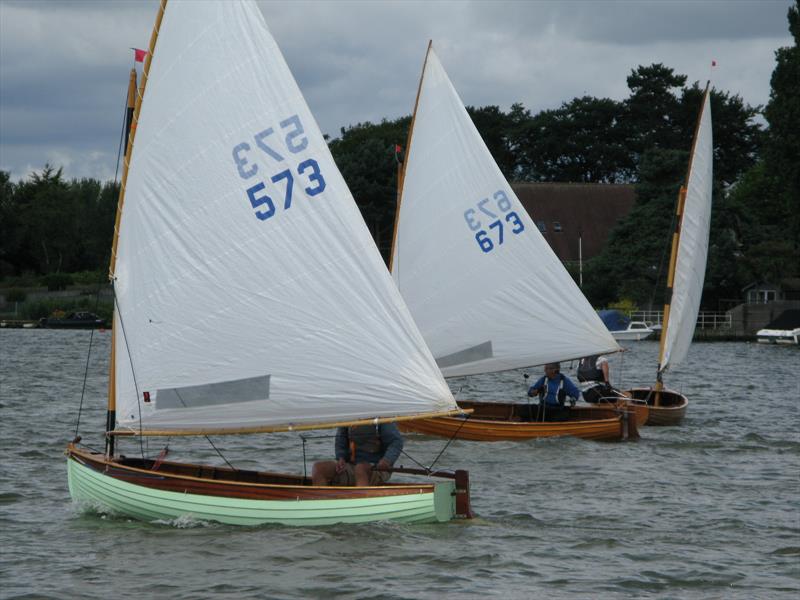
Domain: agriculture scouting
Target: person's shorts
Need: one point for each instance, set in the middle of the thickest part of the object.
(348, 477)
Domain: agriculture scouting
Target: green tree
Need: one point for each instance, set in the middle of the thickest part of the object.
(10, 232)
(365, 156)
(495, 128)
(634, 262)
(582, 141)
(767, 198)
(653, 110)
(782, 149)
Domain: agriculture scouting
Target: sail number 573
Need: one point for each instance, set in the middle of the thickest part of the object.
(497, 215)
(275, 147)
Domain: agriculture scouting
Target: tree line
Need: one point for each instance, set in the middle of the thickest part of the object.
(49, 224)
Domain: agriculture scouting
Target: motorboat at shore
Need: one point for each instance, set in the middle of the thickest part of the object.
(783, 330)
(622, 328)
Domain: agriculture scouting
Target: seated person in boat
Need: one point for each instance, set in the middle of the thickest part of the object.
(553, 389)
(594, 371)
(361, 454)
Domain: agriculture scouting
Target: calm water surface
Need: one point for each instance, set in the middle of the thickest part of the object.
(710, 509)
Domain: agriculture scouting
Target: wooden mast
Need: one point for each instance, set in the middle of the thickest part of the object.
(673, 258)
(134, 108)
(402, 171)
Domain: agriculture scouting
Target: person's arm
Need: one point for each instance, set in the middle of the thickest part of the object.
(604, 368)
(342, 446)
(534, 389)
(392, 441)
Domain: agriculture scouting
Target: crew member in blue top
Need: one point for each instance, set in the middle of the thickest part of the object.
(553, 390)
(362, 454)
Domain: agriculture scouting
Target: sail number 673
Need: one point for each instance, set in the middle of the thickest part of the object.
(497, 220)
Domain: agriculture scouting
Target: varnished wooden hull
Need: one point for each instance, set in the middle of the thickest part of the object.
(671, 409)
(148, 490)
(495, 421)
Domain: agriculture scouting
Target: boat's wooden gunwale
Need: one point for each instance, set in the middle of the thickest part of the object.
(164, 480)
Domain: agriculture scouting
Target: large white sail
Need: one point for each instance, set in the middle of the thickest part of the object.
(249, 291)
(690, 265)
(484, 287)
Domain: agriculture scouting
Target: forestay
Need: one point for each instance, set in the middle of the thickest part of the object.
(484, 287)
(690, 266)
(249, 291)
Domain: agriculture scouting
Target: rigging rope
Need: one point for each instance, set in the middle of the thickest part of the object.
(130, 360)
(208, 439)
(86, 369)
(450, 440)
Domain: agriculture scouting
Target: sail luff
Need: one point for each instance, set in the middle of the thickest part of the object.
(130, 135)
(402, 175)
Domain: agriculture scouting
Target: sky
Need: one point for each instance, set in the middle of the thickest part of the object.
(64, 64)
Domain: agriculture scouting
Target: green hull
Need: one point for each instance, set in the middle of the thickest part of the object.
(149, 504)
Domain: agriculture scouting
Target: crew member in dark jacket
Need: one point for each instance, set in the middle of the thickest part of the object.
(362, 454)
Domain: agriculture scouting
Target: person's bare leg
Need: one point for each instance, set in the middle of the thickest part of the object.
(363, 473)
(323, 472)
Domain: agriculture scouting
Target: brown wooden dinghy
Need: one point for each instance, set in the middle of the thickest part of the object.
(669, 410)
(502, 421)
(687, 266)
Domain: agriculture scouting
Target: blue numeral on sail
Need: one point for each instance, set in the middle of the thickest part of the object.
(484, 210)
(499, 226)
(260, 137)
(503, 201)
(287, 175)
(469, 217)
(261, 201)
(513, 217)
(315, 176)
(298, 130)
(241, 161)
(484, 241)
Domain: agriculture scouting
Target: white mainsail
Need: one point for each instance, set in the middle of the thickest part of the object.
(249, 291)
(690, 265)
(484, 287)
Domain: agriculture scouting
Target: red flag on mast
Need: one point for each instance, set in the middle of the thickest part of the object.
(138, 55)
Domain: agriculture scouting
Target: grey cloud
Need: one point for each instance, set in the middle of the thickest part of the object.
(64, 65)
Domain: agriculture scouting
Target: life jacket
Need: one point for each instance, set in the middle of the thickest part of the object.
(561, 394)
(364, 437)
(587, 369)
